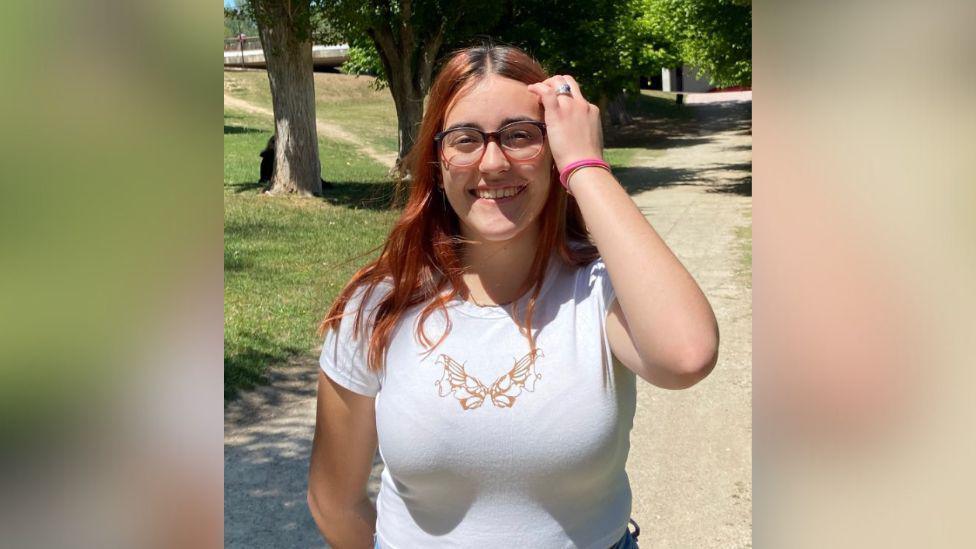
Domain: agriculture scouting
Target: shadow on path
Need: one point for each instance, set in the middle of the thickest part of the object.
(267, 444)
(645, 178)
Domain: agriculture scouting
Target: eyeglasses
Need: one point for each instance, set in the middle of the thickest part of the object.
(519, 141)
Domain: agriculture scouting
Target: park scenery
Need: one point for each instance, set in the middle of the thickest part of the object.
(673, 80)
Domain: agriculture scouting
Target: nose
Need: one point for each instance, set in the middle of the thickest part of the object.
(493, 159)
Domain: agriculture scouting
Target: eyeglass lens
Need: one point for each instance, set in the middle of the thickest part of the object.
(464, 146)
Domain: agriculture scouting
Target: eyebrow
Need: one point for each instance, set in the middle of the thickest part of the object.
(505, 122)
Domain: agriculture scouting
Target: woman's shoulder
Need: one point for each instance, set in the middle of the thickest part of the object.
(372, 293)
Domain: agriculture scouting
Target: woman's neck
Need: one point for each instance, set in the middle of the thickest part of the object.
(497, 270)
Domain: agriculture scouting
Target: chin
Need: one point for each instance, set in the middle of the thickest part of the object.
(496, 234)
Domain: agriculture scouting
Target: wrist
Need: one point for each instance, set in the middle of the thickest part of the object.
(586, 174)
(570, 169)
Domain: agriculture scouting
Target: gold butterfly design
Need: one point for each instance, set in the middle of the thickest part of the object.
(472, 393)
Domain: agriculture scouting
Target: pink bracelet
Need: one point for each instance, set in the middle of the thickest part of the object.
(569, 170)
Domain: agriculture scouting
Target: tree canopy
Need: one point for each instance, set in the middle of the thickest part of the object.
(713, 35)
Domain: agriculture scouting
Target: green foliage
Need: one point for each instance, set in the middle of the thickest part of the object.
(713, 35)
(237, 22)
(577, 38)
(605, 44)
(300, 14)
(360, 22)
(363, 60)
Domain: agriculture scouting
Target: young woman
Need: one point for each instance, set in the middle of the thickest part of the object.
(477, 351)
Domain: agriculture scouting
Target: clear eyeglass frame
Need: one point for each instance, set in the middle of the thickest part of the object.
(486, 137)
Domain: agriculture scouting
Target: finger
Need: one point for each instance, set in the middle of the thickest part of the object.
(573, 85)
(553, 81)
(559, 81)
(546, 93)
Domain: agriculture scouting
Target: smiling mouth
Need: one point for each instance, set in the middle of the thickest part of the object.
(497, 194)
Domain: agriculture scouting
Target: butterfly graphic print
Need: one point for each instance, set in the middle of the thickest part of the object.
(472, 393)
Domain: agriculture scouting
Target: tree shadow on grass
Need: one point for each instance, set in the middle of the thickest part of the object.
(359, 195)
(234, 262)
(241, 129)
(246, 362)
(250, 230)
(245, 186)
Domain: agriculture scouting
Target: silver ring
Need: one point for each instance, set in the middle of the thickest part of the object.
(564, 89)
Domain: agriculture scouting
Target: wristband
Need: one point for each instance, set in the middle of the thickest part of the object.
(569, 170)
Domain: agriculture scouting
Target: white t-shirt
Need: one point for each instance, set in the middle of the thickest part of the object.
(484, 446)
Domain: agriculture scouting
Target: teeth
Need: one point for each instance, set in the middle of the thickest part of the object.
(498, 193)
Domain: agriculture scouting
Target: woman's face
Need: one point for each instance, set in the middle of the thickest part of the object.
(491, 104)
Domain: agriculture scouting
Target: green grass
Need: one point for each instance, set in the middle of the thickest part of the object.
(620, 156)
(657, 104)
(341, 99)
(285, 259)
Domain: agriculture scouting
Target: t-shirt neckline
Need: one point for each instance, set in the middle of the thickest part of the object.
(468, 308)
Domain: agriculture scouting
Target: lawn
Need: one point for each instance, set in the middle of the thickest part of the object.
(285, 259)
(347, 101)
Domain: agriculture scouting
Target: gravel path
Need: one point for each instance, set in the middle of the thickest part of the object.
(690, 462)
(691, 451)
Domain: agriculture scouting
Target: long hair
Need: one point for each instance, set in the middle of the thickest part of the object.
(422, 254)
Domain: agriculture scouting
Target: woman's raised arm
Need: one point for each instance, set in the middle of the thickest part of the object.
(342, 459)
(662, 326)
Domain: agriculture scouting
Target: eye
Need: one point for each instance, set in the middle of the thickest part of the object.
(522, 136)
(463, 138)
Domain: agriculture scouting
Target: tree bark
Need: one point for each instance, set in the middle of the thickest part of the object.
(618, 111)
(679, 86)
(409, 67)
(289, 60)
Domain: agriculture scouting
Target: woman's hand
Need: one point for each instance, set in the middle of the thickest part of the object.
(573, 128)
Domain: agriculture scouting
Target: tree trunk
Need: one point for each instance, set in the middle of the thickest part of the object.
(618, 111)
(289, 59)
(679, 85)
(409, 102)
(409, 66)
(603, 103)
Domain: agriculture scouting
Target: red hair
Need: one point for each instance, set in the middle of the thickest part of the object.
(421, 256)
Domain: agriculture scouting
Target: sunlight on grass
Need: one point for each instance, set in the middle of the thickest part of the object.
(285, 259)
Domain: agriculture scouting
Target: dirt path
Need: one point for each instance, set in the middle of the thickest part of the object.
(325, 129)
(691, 451)
(690, 461)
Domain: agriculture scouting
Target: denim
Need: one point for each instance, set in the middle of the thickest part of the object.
(626, 542)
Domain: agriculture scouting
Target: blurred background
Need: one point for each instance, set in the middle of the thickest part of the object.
(112, 286)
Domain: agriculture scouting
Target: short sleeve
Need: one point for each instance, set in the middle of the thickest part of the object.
(597, 281)
(343, 356)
